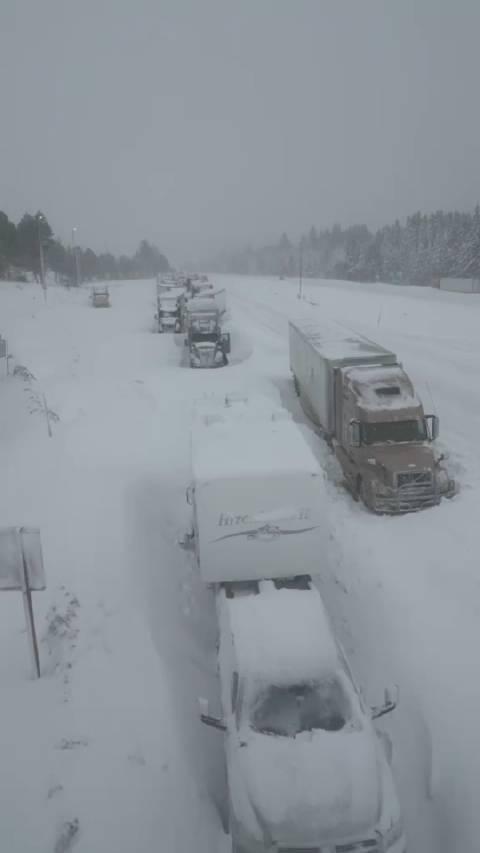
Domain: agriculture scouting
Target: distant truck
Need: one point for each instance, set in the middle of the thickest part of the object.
(367, 409)
(100, 297)
(168, 309)
(257, 496)
(207, 345)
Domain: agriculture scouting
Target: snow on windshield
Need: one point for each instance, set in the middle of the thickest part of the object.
(288, 710)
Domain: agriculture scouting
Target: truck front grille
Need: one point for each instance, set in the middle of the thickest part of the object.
(368, 845)
(414, 478)
(415, 490)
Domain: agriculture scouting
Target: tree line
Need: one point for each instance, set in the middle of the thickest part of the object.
(419, 251)
(23, 246)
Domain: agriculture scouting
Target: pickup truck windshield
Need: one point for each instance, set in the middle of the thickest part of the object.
(393, 432)
(291, 709)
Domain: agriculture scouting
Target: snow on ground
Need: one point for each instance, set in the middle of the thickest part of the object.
(105, 752)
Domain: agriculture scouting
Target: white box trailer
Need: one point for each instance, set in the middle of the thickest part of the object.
(317, 352)
(259, 501)
(460, 285)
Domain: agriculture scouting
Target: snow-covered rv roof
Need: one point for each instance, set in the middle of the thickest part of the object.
(230, 448)
(340, 345)
(234, 407)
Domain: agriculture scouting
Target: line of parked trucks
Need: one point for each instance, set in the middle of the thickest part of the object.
(308, 769)
(189, 305)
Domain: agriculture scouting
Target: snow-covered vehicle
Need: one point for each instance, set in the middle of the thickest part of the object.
(168, 310)
(258, 495)
(367, 408)
(100, 297)
(307, 772)
(207, 345)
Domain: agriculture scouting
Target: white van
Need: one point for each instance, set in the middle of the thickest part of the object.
(307, 772)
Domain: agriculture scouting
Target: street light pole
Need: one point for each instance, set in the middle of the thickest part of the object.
(40, 252)
(75, 253)
(40, 219)
(300, 270)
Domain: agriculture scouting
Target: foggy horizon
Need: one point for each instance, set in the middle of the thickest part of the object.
(203, 128)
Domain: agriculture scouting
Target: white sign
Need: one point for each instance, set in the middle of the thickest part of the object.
(20, 551)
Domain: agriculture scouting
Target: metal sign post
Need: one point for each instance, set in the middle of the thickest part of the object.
(21, 568)
(29, 620)
(4, 352)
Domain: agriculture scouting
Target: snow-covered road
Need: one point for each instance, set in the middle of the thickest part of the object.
(106, 751)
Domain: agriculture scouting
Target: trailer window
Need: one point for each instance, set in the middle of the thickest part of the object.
(291, 709)
(393, 432)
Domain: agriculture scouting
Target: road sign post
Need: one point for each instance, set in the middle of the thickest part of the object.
(21, 568)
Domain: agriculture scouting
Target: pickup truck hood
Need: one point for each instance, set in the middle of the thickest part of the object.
(314, 788)
(401, 457)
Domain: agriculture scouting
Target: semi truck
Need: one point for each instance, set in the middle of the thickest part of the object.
(168, 308)
(366, 407)
(207, 345)
(290, 708)
(100, 297)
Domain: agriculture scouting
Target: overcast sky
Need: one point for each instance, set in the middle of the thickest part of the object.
(203, 124)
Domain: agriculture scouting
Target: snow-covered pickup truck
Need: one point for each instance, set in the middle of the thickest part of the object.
(307, 772)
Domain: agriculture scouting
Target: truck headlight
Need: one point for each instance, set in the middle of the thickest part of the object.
(380, 489)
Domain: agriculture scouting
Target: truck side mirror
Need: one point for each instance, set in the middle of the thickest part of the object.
(389, 704)
(189, 495)
(432, 423)
(207, 719)
(354, 434)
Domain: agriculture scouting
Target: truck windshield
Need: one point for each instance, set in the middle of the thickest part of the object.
(393, 432)
(288, 710)
(199, 337)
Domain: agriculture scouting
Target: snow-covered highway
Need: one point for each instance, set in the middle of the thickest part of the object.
(106, 751)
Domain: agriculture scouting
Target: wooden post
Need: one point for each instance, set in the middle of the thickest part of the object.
(30, 623)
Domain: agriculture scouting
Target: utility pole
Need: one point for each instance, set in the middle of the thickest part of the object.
(300, 270)
(40, 219)
(76, 258)
(40, 251)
